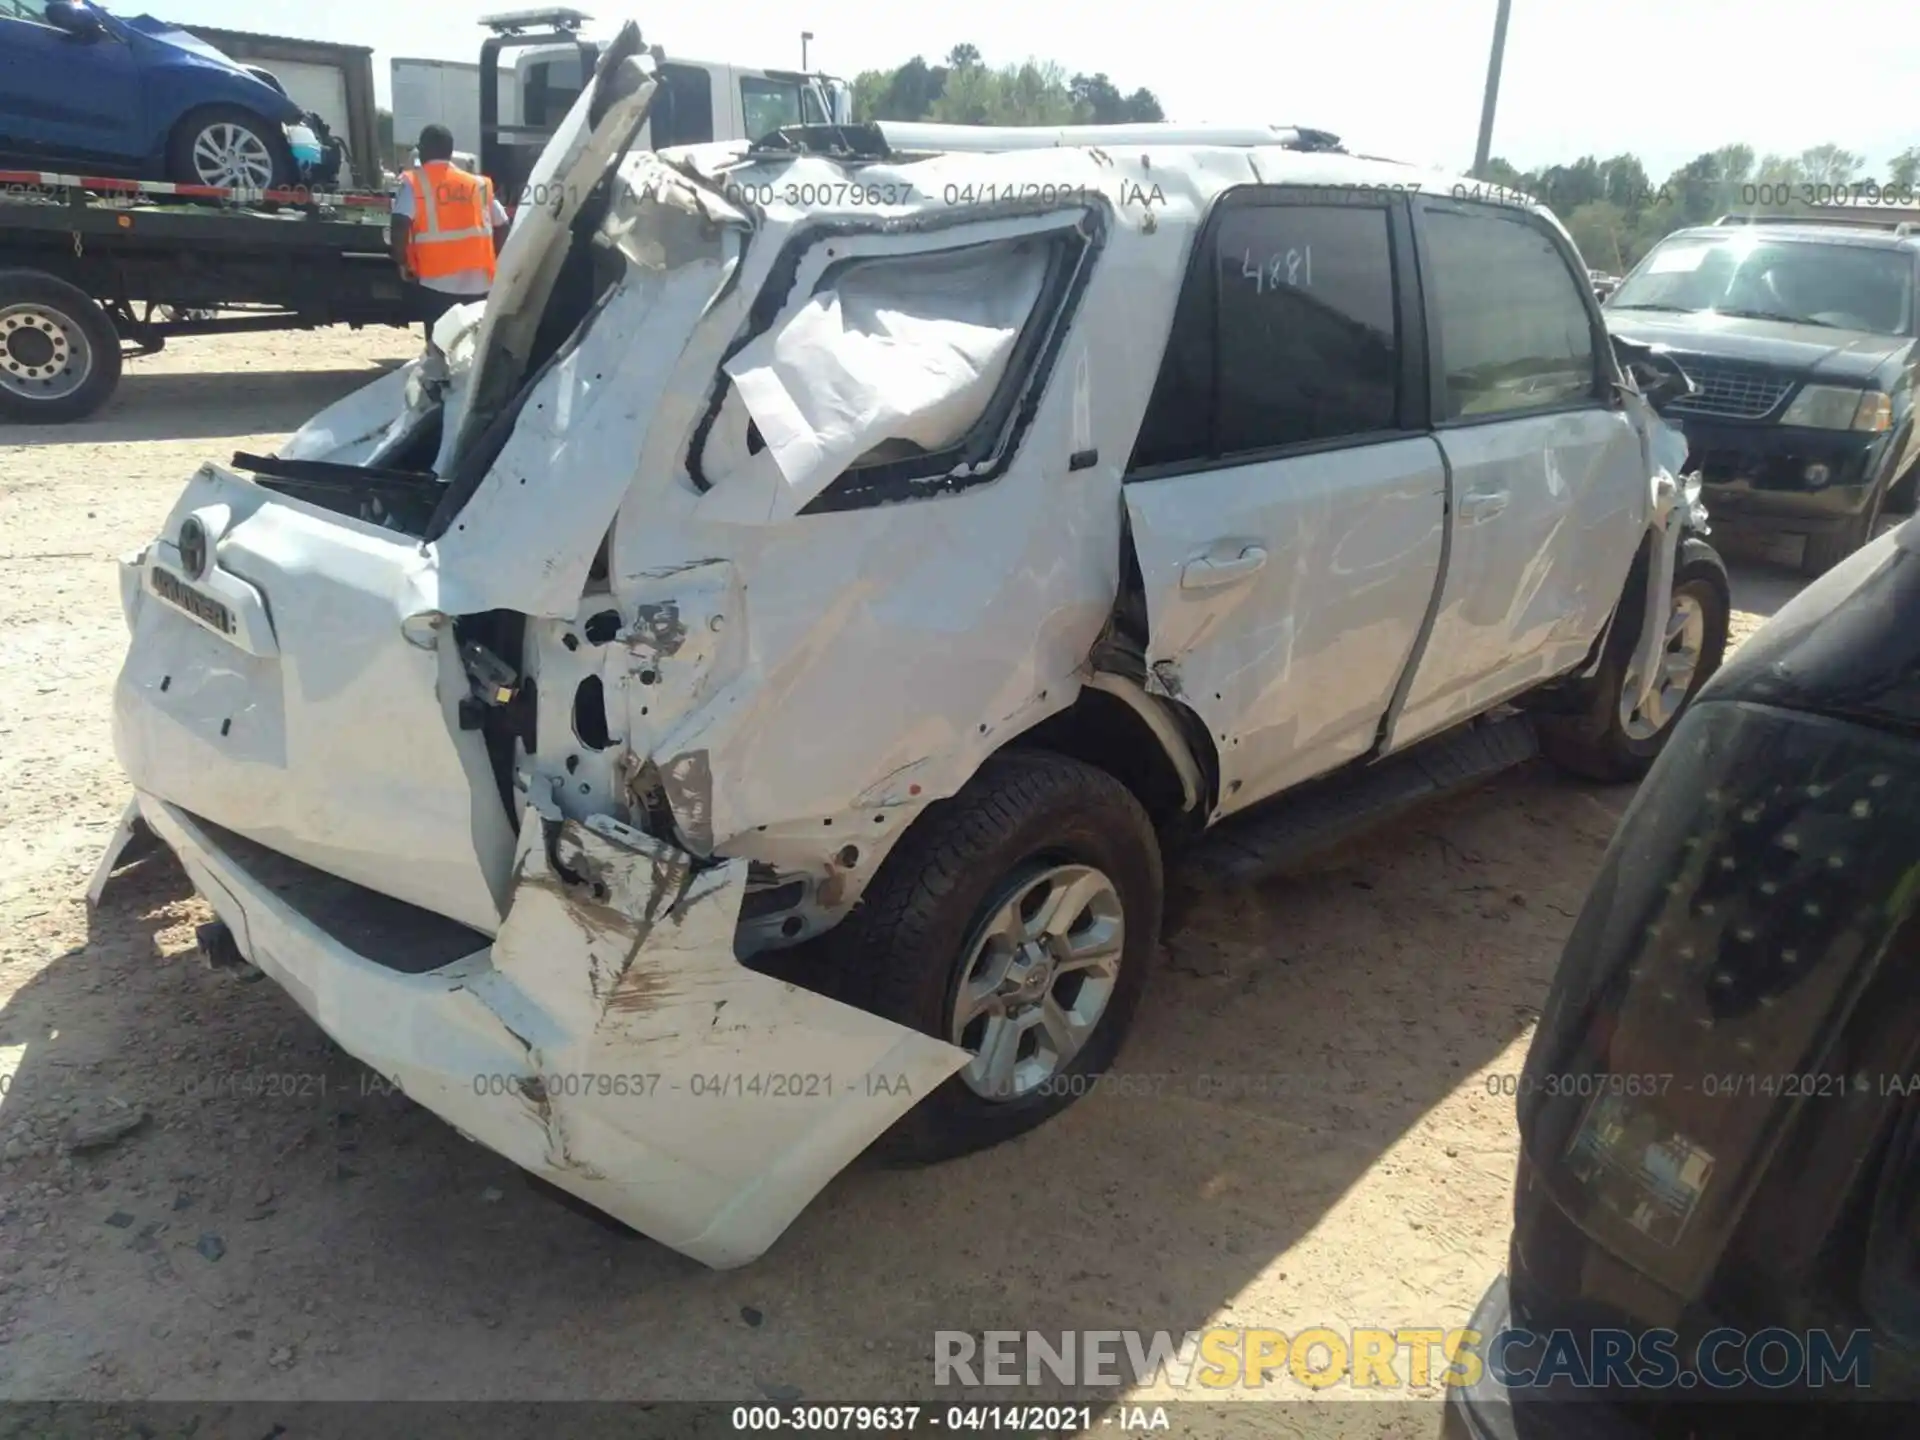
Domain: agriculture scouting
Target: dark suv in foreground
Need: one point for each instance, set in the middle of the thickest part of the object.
(1718, 1196)
(1801, 339)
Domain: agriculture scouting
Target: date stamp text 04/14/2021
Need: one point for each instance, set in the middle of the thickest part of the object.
(270, 1084)
(1726, 1085)
(1002, 1418)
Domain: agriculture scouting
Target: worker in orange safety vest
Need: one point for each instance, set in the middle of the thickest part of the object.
(448, 227)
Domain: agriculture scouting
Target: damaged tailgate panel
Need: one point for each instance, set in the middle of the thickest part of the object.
(650, 1073)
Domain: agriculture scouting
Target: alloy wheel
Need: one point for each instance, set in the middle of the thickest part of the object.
(1678, 663)
(233, 156)
(1037, 979)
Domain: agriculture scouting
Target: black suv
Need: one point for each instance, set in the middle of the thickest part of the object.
(1801, 339)
(1717, 1209)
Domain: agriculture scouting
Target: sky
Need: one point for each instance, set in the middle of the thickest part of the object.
(1665, 79)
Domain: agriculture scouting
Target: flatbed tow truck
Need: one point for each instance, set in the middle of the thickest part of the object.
(96, 271)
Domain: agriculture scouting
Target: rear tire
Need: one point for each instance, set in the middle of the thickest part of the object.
(1606, 745)
(928, 948)
(59, 353)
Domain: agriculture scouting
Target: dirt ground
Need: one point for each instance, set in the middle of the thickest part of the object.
(1315, 1142)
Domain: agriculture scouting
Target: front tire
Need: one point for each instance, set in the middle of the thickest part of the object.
(59, 353)
(1017, 919)
(1617, 741)
(229, 147)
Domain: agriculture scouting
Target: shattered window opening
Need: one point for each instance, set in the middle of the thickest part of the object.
(895, 373)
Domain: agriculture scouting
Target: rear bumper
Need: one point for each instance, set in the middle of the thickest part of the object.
(639, 1067)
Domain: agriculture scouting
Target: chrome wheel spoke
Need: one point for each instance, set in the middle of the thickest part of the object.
(1095, 949)
(980, 996)
(1066, 901)
(994, 1066)
(1065, 1033)
(1007, 930)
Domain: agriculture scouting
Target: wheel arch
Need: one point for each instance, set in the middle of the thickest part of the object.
(1158, 751)
(203, 109)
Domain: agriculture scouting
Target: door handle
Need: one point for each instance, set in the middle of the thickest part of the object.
(1203, 573)
(1482, 505)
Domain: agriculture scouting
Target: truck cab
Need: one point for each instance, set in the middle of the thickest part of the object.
(698, 100)
(702, 100)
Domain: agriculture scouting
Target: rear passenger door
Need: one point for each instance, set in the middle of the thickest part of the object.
(1286, 502)
(1546, 470)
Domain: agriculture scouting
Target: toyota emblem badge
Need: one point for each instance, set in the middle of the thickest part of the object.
(193, 547)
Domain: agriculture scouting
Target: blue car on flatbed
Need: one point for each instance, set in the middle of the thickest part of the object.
(84, 90)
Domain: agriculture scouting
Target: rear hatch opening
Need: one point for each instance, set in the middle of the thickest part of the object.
(556, 271)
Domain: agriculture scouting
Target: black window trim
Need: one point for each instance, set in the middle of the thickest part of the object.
(1605, 392)
(985, 452)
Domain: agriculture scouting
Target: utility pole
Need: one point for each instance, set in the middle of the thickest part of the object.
(1484, 151)
(806, 35)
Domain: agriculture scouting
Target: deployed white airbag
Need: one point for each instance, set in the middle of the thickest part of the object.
(903, 348)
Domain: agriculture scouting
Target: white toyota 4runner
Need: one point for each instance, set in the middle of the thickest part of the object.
(732, 700)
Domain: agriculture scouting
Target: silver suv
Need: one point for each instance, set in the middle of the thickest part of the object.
(734, 700)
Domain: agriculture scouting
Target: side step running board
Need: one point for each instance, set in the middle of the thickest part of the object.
(1293, 827)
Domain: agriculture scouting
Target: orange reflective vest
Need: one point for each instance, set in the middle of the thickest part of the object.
(452, 226)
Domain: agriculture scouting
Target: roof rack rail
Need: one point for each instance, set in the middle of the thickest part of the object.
(1830, 222)
(913, 135)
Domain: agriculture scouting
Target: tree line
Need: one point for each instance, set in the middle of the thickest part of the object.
(1616, 213)
(965, 90)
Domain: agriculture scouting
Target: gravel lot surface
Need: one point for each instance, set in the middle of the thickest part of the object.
(270, 1227)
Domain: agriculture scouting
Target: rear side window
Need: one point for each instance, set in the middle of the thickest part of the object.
(1513, 329)
(897, 376)
(1289, 335)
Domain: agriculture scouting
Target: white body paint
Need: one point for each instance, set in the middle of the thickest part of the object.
(795, 687)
